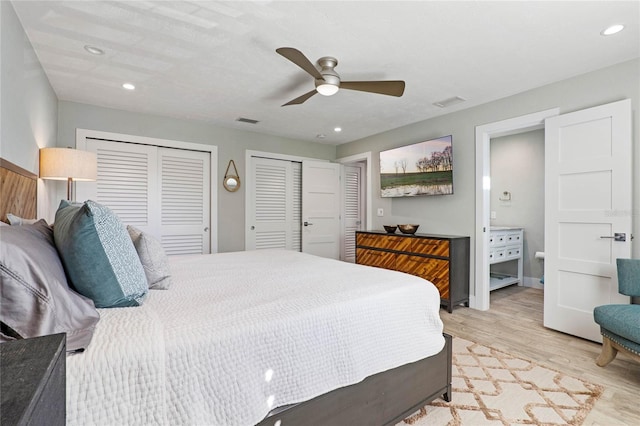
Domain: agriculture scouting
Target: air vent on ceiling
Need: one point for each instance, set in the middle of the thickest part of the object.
(247, 120)
(448, 102)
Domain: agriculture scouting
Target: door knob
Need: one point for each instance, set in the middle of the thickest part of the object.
(307, 223)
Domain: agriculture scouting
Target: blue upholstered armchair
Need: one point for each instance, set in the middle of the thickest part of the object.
(620, 324)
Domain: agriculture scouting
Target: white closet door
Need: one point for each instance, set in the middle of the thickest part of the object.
(163, 191)
(296, 207)
(184, 201)
(126, 182)
(269, 213)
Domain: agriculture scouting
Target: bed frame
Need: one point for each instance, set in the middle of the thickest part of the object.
(382, 399)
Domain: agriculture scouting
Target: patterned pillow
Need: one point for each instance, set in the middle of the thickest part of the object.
(36, 299)
(153, 258)
(98, 255)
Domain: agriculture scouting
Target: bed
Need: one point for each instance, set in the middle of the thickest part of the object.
(269, 338)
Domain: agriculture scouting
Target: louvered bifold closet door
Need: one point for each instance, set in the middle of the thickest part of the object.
(271, 225)
(352, 210)
(296, 207)
(125, 182)
(185, 201)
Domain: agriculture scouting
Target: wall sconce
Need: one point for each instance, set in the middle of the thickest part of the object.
(68, 164)
(231, 180)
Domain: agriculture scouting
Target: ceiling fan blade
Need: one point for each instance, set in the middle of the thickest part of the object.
(301, 99)
(390, 87)
(298, 58)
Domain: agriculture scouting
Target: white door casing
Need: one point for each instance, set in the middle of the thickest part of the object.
(353, 209)
(588, 199)
(321, 208)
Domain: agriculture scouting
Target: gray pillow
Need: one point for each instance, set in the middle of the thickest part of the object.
(98, 255)
(153, 258)
(36, 299)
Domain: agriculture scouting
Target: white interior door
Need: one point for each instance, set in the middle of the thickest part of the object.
(321, 208)
(353, 209)
(587, 203)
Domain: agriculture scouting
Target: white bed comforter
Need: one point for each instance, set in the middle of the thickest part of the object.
(239, 334)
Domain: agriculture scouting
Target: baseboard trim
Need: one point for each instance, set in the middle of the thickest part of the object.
(533, 282)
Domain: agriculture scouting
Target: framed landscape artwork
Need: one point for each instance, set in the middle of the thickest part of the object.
(424, 168)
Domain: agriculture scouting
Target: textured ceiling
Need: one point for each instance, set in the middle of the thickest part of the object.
(216, 61)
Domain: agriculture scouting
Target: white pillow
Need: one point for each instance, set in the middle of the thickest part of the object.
(16, 220)
(153, 258)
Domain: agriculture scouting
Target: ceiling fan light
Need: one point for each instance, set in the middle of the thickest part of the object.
(327, 89)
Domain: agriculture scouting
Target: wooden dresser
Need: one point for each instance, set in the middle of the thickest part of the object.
(33, 382)
(441, 259)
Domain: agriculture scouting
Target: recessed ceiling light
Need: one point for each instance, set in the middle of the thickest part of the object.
(129, 86)
(93, 50)
(337, 129)
(613, 29)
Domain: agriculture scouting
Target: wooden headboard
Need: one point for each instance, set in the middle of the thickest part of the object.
(18, 191)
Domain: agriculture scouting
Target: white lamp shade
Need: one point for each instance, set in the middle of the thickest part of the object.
(65, 163)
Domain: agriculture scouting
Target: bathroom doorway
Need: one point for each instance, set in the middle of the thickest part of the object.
(517, 210)
(481, 297)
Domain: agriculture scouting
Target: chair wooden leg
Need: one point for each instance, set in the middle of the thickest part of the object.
(608, 352)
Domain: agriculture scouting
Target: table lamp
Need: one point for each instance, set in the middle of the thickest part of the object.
(68, 164)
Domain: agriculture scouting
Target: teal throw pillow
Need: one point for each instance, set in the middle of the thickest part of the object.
(98, 255)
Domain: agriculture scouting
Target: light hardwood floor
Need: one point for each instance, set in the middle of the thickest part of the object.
(514, 324)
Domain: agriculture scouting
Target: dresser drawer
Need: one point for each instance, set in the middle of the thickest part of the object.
(430, 246)
(387, 242)
(379, 259)
(434, 270)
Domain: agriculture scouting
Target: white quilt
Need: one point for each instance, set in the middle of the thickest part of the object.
(239, 334)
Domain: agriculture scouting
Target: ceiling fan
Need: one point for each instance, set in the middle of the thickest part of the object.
(328, 81)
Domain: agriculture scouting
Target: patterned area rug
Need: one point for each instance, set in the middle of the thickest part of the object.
(491, 387)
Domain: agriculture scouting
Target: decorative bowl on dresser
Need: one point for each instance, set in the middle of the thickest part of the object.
(33, 382)
(441, 259)
(390, 228)
(408, 229)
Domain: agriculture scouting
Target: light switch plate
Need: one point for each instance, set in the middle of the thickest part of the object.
(493, 215)
(380, 212)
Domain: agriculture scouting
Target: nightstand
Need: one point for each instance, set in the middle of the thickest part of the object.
(33, 380)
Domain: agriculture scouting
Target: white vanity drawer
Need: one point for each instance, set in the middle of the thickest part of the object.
(514, 238)
(513, 252)
(497, 255)
(497, 239)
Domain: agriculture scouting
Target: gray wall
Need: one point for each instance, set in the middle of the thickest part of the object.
(28, 104)
(231, 144)
(517, 166)
(455, 214)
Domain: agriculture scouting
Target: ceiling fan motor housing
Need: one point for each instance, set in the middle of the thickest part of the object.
(330, 76)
